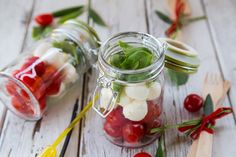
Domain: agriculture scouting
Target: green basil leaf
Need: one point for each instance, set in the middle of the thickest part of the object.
(116, 59)
(96, 17)
(67, 11)
(178, 78)
(72, 15)
(68, 47)
(163, 17)
(40, 32)
(208, 107)
(137, 60)
(194, 19)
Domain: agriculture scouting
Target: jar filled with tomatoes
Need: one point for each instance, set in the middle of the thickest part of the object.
(130, 88)
(48, 70)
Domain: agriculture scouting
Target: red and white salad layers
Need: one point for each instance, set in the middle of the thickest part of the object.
(137, 111)
(46, 73)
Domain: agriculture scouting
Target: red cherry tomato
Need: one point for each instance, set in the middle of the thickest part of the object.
(112, 130)
(40, 68)
(44, 19)
(142, 154)
(116, 117)
(21, 106)
(42, 103)
(38, 88)
(11, 87)
(132, 133)
(154, 110)
(193, 103)
(29, 61)
(24, 94)
(28, 80)
(155, 124)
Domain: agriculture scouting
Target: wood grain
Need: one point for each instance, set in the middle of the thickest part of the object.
(222, 29)
(15, 18)
(214, 40)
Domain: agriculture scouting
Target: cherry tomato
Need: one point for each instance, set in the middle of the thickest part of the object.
(21, 106)
(116, 117)
(54, 87)
(42, 103)
(193, 103)
(142, 154)
(155, 124)
(154, 110)
(112, 130)
(133, 132)
(44, 19)
(38, 88)
(28, 80)
(11, 87)
(29, 62)
(40, 68)
(24, 94)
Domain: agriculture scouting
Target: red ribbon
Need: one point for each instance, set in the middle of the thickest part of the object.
(179, 8)
(207, 122)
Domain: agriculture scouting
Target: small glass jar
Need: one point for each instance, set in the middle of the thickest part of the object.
(47, 70)
(130, 101)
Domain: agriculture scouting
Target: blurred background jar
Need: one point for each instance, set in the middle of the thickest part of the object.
(48, 70)
(130, 101)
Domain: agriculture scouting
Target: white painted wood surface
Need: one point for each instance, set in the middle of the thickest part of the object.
(214, 39)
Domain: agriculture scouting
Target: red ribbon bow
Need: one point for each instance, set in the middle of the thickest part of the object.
(179, 9)
(206, 123)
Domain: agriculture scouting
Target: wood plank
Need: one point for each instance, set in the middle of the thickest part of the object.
(197, 35)
(120, 16)
(15, 16)
(222, 28)
(30, 137)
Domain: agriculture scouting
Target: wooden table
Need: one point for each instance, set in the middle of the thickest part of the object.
(214, 39)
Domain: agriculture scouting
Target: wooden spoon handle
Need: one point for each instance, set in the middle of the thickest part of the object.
(193, 149)
(204, 148)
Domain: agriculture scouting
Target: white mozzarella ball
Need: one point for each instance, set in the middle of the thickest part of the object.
(124, 99)
(61, 90)
(105, 97)
(55, 57)
(139, 92)
(154, 91)
(69, 73)
(41, 49)
(136, 110)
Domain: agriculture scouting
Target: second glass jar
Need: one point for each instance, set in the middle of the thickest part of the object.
(130, 101)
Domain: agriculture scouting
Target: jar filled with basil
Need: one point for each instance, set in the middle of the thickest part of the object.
(130, 88)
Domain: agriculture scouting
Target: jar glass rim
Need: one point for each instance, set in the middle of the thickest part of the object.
(156, 64)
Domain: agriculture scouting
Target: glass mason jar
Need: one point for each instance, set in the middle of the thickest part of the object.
(130, 101)
(48, 70)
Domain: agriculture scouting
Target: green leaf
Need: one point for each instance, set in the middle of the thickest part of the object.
(68, 47)
(96, 17)
(194, 19)
(72, 15)
(208, 107)
(178, 78)
(116, 59)
(67, 11)
(160, 152)
(40, 32)
(163, 17)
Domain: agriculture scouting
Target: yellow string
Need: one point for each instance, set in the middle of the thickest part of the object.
(74, 122)
(52, 149)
